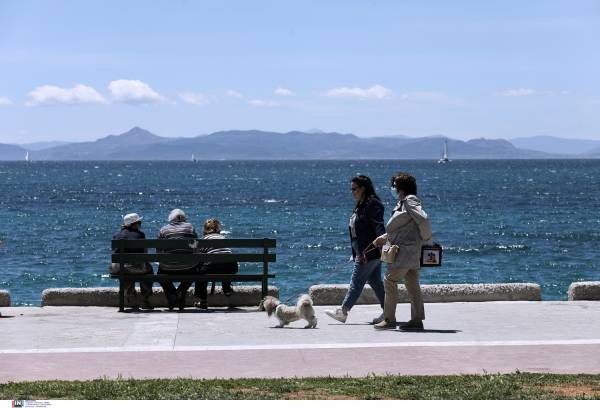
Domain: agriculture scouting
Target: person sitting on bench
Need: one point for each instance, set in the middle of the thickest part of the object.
(212, 230)
(131, 230)
(177, 228)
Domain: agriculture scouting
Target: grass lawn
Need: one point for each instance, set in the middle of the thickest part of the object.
(507, 386)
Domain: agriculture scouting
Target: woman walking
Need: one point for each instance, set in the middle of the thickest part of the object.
(407, 229)
(366, 223)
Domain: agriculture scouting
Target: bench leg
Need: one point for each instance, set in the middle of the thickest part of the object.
(265, 288)
(121, 296)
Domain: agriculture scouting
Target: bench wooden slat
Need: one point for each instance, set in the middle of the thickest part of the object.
(190, 258)
(200, 243)
(161, 277)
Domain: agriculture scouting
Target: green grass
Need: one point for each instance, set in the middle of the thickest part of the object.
(507, 386)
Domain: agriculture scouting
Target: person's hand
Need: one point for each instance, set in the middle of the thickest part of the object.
(379, 241)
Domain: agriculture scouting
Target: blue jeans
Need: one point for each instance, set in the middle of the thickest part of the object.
(361, 274)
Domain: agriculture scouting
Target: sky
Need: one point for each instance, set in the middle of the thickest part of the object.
(75, 71)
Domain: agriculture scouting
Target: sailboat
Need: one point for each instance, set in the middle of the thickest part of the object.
(445, 158)
(27, 156)
(193, 158)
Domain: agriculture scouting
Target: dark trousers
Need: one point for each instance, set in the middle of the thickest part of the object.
(229, 268)
(169, 288)
(137, 269)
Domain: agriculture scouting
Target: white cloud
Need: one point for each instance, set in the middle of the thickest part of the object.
(134, 92)
(284, 92)
(196, 99)
(5, 101)
(374, 92)
(430, 97)
(49, 95)
(518, 92)
(234, 94)
(259, 103)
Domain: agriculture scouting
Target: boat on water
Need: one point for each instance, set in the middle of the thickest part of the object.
(445, 158)
(26, 156)
(194, 158)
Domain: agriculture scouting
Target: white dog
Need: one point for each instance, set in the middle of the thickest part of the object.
(287, 314)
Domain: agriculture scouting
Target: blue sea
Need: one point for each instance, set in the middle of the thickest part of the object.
(499, 221)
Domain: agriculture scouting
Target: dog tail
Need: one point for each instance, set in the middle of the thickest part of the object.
(305, 300)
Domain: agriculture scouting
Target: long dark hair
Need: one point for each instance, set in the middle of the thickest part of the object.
(365, 181)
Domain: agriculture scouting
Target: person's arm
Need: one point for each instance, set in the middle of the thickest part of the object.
(374, 211)
(380, 240)
(143, 236)
(415, 210)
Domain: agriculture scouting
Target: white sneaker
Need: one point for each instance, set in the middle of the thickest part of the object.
(338, 315)
(378, 319)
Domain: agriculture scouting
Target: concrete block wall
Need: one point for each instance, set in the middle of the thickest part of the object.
(4, 298)
(334, 294)
(242, 296)
(584, 291)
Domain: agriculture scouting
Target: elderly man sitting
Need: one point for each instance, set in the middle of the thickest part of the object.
(131, 229)
(177, 228)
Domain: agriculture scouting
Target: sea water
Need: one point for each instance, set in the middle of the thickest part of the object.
(498, 221)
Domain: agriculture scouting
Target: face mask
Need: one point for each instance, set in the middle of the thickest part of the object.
(394, 193)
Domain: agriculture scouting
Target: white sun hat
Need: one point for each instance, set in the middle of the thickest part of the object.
(130, 219)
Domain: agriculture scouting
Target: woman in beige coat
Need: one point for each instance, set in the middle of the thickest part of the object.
(407, 229)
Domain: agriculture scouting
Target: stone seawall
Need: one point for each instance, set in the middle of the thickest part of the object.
(249, 295)
(4, 298)
(242, 296)
(584, 291)
(334, 294)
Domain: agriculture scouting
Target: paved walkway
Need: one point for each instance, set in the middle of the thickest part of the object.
(92, 342)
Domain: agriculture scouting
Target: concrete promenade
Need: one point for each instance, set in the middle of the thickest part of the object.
(81, 343)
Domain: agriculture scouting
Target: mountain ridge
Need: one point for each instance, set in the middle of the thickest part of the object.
(141, 144)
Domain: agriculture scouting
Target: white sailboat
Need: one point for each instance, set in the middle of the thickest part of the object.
(27, 156)
(193, 158)
(445, 158)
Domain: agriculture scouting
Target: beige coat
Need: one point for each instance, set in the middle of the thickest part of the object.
(408, 227)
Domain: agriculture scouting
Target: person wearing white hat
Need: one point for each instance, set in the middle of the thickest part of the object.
(131, 229)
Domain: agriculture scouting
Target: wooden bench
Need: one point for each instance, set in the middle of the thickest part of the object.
(258, 253)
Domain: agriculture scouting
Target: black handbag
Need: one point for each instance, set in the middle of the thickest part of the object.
(431, 255)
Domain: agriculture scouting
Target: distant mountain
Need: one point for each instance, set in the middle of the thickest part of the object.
(140, 144)
(556, 145)
(112, 147)
(43, 145)
(11, 152)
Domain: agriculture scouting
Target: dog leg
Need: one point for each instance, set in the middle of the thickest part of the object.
(312, 323)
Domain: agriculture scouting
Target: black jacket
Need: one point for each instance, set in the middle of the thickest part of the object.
(368, 225)
(127, 233)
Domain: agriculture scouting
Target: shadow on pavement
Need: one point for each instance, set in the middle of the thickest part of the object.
(292, 328)
(430, 331)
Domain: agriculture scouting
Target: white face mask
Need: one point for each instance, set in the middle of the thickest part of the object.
(394, 193)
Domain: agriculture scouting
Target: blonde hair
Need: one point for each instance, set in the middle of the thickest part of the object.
(212, 226)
